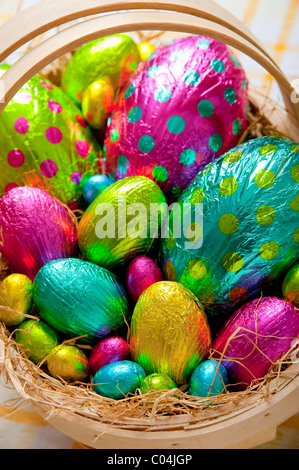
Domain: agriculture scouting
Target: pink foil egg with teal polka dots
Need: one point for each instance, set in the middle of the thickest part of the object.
(45, 142)
(242, 234)
(183, 107)
(35, 228)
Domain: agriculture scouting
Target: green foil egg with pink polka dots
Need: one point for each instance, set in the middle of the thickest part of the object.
(182, 108)
(235, 231)
(45, 142)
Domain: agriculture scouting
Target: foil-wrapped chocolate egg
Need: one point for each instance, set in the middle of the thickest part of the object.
(68, 362)
(239, 232)
(15, 299)
(290, 287)
(146, 49)
(35, 228)
(115, 56)
(37, 338)
(157, 381)
(111, 349)
(169, 333)
(79, 298)
(97, 103)
(141, 273)
(182, 108)
(45, 142)
(122, 222)
(95, 185)
(208, 379)
(257, 335)
(118, 379)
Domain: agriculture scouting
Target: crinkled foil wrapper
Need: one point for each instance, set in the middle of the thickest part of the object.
(35, 228)
(249, 228)
(68, 362)
(116, 57)
(169, 332)
(16, 294)
(183, 107)
(107, 236)
(79, 298)
(257, 335)
(45, 142)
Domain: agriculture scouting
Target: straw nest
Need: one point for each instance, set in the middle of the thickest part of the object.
(34, 383)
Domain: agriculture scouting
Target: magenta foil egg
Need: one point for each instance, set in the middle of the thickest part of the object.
(258, 334)
(35, 228)
(108, 350)
(183, 107)
(142, 272)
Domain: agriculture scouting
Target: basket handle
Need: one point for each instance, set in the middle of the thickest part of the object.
(126, 21)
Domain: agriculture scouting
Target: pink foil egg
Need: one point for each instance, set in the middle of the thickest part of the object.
(142, 272)
(183, 107)
(111, 349)
(35, 228)
(256, 335)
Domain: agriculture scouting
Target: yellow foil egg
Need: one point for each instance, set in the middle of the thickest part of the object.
(145, 49)
(15, 299)
(169, 332)
(97, 103)
(68, 362)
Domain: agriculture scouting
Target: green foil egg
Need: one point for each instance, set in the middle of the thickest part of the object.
(122, 222)
(68, 362)
(116, 56)
(37, 338)
(45, 142)
(290, 286)
(245, 209)
(15, 299)
(79, 298)
(157, 382)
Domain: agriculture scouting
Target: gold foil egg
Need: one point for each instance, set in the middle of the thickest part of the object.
(68, 362)
(169, 332)
(145, 49)
(15, 299)
(97, 103)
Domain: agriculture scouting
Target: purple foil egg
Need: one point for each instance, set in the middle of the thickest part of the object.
(35, 228)
(257, 335)
(183, 107)
(142, 272)
(108, 350)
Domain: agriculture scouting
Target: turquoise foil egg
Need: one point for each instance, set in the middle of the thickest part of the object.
(244, 228)
(80, 298)
(118, 379)
(208, 379)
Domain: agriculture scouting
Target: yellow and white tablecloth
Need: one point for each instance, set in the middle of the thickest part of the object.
(275, 23)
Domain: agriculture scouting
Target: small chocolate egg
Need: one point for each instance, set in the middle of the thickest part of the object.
(208, 379)
(145, 49)
(112, 349)
(142, 272)
(169, 333)
(290, 287)
(15, 299)
(97, 103)
(118, 379)
(157, 382)
(95, 185)
(68, 362)
(38, 339)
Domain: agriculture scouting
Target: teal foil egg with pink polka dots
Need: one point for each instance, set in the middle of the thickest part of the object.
(183, 107)
(45, 142)
(239, 231)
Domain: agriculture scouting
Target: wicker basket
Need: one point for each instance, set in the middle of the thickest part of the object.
(245, 420)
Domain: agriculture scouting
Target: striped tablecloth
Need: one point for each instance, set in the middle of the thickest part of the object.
(275, 23)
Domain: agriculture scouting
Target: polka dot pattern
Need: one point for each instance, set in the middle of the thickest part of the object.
(232, 262)
(54, 135)
(48, 168)
(265, 215)
(21, 125)
(16, 158)
(228, 186)
(269, 250)
(205, 108)
(160, 173)
(146, 143)
(264, 179)
(228, 224)
(197, 269)
(188, 156)
(175, 124)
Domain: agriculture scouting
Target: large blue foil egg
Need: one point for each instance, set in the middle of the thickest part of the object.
(118, 379)
(208, 379)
